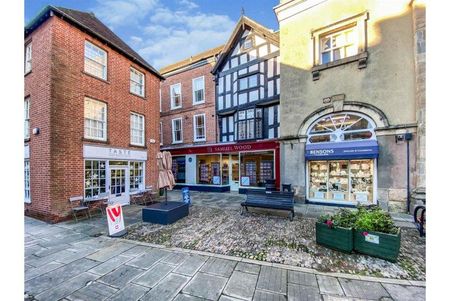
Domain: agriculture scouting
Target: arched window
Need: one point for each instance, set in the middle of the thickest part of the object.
(341, 127)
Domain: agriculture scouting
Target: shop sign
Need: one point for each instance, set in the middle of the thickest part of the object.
(227, 148)
(114, 215)
(98, 152)
(366, 149)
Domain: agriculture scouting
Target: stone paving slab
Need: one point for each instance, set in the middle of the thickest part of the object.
(153, 275)
(272, 279)
(241, 285)
(59, 275)
(219, 266)
(93, 291)
(362, 289)
(248, 268)
(407, 293)
(184, 297)
(268, 296)
(206, 286)
(67, 287)
(302, 292)
(329, 285)
(37, 261)
(191, 265)
(34, 272)
(167, 289)
(111, 251)
(175, 258)
(131, 292)
(121, 276)
(149, 258)
(302, 278)
(108, 266)
(135, 251)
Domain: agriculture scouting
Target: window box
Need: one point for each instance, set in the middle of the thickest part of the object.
(336, 238)
(377, 244)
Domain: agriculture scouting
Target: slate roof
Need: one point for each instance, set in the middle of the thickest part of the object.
(191, 60)
(88, 22)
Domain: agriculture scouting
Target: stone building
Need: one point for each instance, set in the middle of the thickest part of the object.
(352, 100)
(91, 114)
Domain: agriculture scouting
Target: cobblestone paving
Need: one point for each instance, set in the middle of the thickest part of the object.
(63, 262)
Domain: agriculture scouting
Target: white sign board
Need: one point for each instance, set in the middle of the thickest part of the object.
(245, 181)
(115, 219)
(99, 152)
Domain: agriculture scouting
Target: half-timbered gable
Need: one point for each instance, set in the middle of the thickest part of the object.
(248, 84)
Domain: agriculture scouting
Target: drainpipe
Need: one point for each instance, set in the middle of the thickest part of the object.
(408, 137)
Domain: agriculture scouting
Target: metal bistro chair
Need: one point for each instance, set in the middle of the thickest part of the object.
(77, 204)
(149, 195)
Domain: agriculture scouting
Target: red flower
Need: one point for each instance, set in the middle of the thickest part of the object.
(365, 233)
(329, 223)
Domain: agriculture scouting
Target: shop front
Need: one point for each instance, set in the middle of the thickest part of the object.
(341, 160)
(226, 167)
(114, 173)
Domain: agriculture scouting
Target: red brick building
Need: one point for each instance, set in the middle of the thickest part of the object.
(188, 112)
(91, 114)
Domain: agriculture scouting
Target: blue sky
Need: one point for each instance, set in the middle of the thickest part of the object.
(166, 31)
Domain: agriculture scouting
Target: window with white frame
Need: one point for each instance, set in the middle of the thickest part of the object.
(27, 180)
(175, 96)
(94, 178)
(177, 130)
(26, 113)
(136, 175)
(137, 132)
(28, 50)
(94, 119)
(198, 90)
(137, 82)
(95, 60)
(160, 133)
(338, 45)
(199, 127)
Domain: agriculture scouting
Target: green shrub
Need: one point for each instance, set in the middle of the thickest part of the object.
(371, 218)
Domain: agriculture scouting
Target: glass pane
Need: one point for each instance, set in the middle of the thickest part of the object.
(361, 173)
(338, 180)
(325, 57)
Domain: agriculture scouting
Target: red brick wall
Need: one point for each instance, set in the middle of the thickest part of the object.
(69, 86)
(188, 110)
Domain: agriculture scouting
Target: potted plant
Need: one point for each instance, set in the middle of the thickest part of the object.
(336, 231)
(375, 234)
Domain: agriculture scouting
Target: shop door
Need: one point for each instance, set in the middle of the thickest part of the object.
(119, 186)
(234, 173)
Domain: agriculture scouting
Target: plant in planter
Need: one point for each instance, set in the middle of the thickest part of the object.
(336, 232)
(375, 234)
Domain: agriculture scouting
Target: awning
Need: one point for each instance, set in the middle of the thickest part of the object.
(362, 149)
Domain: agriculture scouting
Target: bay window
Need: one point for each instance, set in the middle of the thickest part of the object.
(249, 124)
(137, 132)
(95, 60)
(94, 119)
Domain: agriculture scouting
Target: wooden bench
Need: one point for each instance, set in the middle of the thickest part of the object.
(269, 200)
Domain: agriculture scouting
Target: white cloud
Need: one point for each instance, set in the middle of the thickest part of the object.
(164, 35)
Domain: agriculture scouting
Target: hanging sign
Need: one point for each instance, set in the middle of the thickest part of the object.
(116, 225)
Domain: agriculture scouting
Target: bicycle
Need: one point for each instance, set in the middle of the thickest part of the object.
(420, 219)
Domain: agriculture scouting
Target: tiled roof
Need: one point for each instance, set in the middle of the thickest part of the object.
(93, 26)
(191, 60)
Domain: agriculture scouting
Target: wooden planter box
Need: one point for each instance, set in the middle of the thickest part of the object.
(336, 238)
(377, 244)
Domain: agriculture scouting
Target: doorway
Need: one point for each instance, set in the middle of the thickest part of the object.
(119, 185)
(234, 172)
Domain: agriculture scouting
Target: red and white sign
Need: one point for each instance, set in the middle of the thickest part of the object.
(115, 219)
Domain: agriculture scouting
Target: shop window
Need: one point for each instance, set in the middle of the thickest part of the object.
(198, 90)
(208, 169)
(94, 119)
(341, 127)
(199, 127)
(27, 195)
(179, 169)
(26, 115)
(137, 82)
(137, 132)
(28, 55)
(256, 168)
(175, 96)
(136, 175)
(249, 126)
(95, 60)
(341, 180)
(94, 178)
(177, 130)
